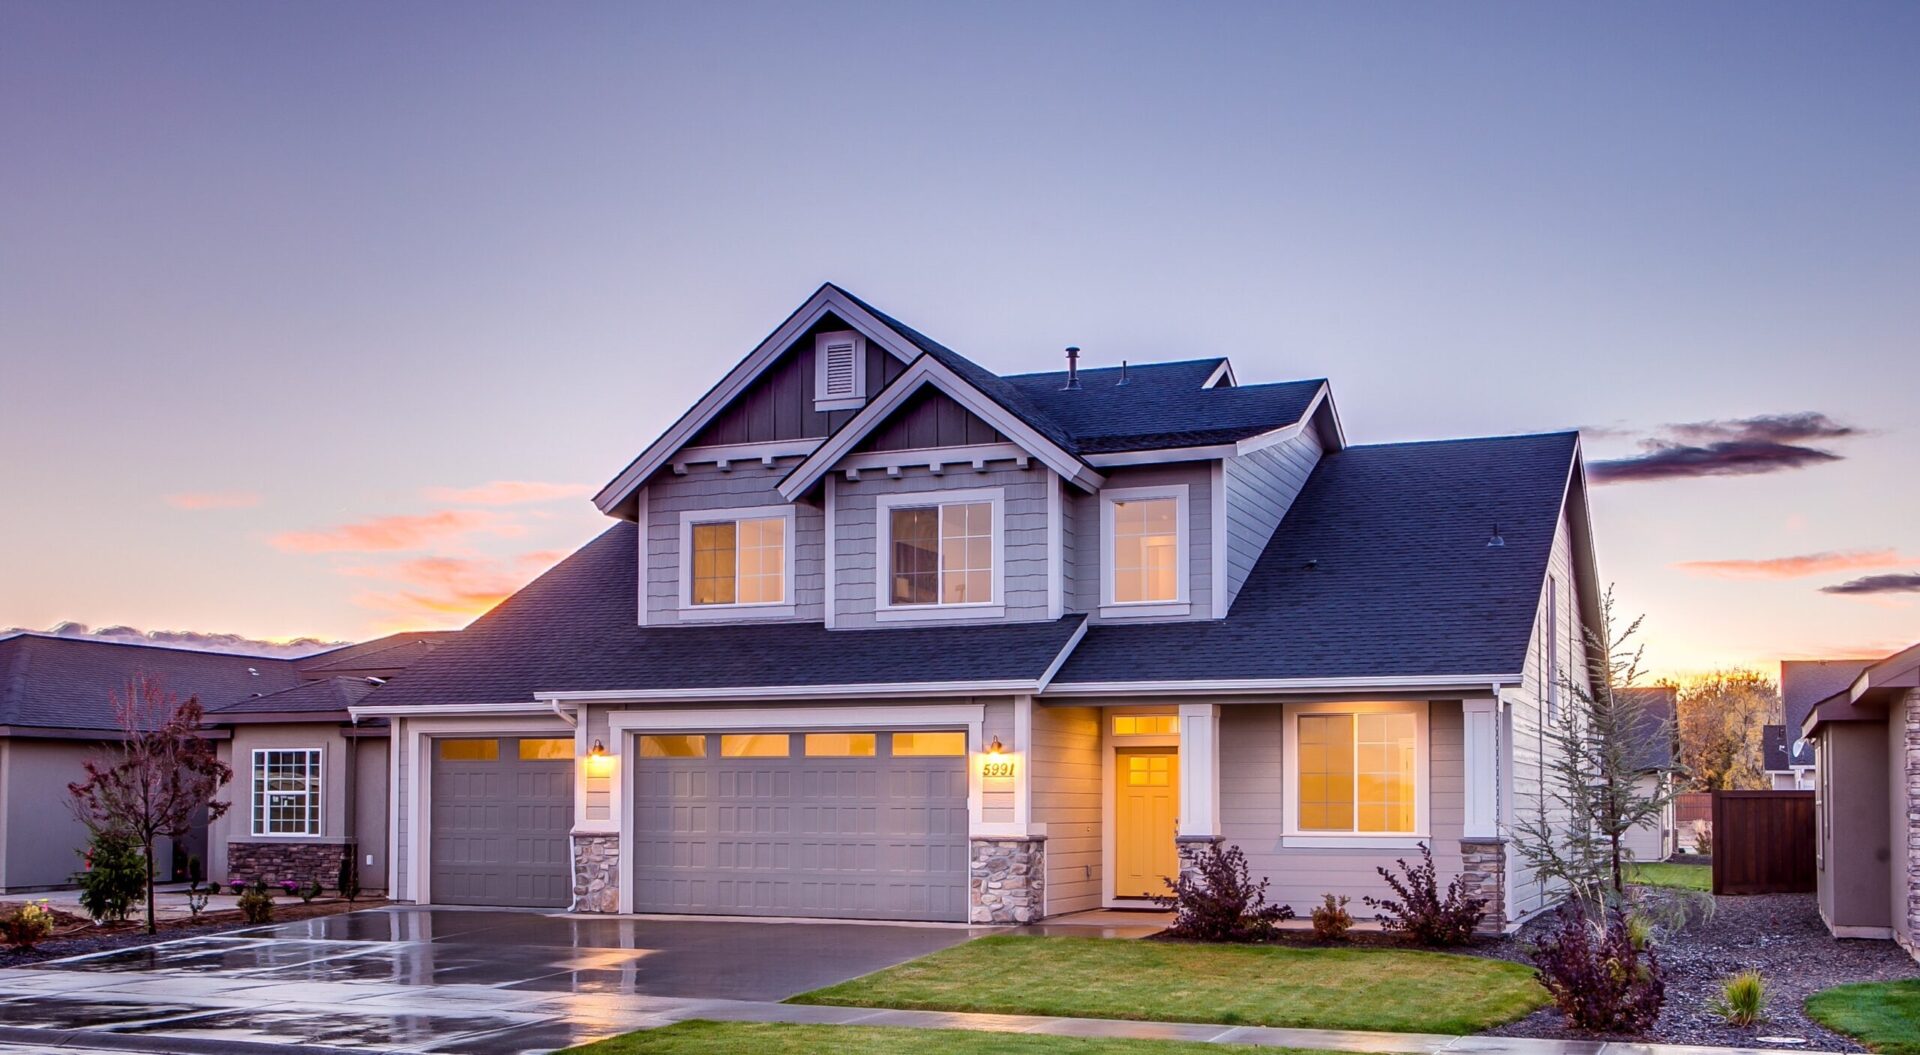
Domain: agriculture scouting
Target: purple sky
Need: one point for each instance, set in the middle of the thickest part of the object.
(280, 285)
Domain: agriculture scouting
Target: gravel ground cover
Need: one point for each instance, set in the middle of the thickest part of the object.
(1779, 935)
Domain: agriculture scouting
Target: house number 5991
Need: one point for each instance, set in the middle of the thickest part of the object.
(997, 769)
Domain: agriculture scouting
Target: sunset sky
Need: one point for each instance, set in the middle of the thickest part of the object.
(325, 320)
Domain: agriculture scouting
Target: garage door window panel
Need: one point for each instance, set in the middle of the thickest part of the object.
(286, 791)
(673, 746)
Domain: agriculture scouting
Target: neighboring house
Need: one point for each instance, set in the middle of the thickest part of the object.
(56, 712)
(877, 633)
(1866, 738)
(1660, 839)
(1787, 755)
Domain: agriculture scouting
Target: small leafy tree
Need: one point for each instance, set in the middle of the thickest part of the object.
(1219, 901)
(159, 776)
(1596, 746)
(1418, 909)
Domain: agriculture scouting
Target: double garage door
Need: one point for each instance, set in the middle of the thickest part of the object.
(851, 825)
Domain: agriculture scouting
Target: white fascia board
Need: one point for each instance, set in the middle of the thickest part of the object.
(1416, 683)
(1163, 455)
(927, 370)
(1285, 432)
(878, 690)
(825, 299)
(476, 710)
(1046, 676)
(1223, 372)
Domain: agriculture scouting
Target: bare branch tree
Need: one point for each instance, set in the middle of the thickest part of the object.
(156, 778)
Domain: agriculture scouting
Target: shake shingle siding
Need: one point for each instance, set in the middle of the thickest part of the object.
(705, 488)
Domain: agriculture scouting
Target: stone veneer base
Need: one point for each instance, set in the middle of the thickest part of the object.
(1484, 867)
(1908, 729)
(1006, 879)
(276, 862)
(596, 872)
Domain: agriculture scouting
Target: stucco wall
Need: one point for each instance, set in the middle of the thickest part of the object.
(365, 822)
(1853, 875)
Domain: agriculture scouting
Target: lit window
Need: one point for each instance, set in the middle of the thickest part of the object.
(739, 561)
(1149, 771)
(673, 747)
(941, 554)
(1146, 550)
(469, 750)
(754, 745)
(546, 750)
(926, 745)
(1357, 772)
(1146, 725)
(286, 792)
(840, 745)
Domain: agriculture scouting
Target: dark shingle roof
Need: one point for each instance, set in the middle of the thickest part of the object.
(1402, 580)
(1805, 682)
(1162, 405)
(51, 682)
(1658, 712)
(573, 628)
(393, 652)
(326, 696)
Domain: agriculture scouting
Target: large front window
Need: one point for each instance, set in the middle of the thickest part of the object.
(1358, 772)
(738, 560)
(940, 554)
(286, 792)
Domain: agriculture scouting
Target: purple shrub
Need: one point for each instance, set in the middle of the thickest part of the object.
(1597, 977)
(1417, 909)
(1218, 901)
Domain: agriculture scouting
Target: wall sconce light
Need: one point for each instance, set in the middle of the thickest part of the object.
(995, 748)
(599, 763)
(598, 750)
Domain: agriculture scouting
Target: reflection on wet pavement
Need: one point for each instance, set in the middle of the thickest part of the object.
(53, 1012)
(329, 1028)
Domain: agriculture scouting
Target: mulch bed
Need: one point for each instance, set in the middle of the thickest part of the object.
(76, 935)
(1780, 935)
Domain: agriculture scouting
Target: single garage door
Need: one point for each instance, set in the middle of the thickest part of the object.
(849, 825)
(502, 811)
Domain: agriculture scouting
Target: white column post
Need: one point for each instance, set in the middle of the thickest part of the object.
(1023, 768)
(1199, 771)
(1482, 767)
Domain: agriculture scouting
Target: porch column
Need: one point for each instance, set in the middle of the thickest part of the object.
(1199, 772)
(1483, 851)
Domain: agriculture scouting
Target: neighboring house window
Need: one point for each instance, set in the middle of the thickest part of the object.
(940, 550)
(1356, 771)
(286, 791)
(1144, 546)
(737, 558)
(839, 371)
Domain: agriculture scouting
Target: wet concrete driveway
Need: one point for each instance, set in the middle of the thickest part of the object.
(442, 980)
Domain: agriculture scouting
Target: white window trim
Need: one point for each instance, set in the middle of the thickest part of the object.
(1183, 528)
(1422, 778)
(884, 610)
(737, 610)
(256, 822)
(822, 402)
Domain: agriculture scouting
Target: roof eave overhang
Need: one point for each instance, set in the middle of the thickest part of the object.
(825, 300)
(1322, 399)
(519, 708)
(926, 370)
(1452, 685)
(749, 693)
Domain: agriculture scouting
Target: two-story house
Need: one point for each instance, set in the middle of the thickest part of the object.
(877, 633)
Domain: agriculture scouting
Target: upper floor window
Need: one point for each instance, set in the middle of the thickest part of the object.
(1144, 539)
(839, 371)
(940, 550)
(286, 791)
(737, 558)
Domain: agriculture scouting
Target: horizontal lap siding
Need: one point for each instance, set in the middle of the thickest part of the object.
(1526, 894)
(1084, 589)
(1253, 810)
(1023, 547)
(1260, 488)
(743, 485)
(1067, 781)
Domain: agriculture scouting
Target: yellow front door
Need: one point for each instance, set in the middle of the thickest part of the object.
(1146, 800)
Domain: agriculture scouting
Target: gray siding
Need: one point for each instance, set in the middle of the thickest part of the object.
(43, 838)
(996, 795)
(1083, 588)
(1067, 799)
(930, 418)
(778, 405)
(1253, 787)
(743, 485)
(1023, 545)
(1260, 489)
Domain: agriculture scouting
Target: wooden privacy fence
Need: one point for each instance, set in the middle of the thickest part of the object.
(1763, 842)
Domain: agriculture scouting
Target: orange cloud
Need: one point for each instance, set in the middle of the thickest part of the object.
(507, 492)
(450, 589)
(383, 534)
(214, 500)
(1796, 567)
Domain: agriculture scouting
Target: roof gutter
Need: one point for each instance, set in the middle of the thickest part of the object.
(747, 694)
(1465, 684)
(536, 708)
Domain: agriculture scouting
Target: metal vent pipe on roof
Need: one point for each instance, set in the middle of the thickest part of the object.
(1073, 367)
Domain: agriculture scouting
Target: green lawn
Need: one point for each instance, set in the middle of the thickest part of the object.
(1384, 989)
(770, 1038)
(1670, 874)
(1885, 1016)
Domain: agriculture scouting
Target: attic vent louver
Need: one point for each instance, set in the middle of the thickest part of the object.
(839, 371)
